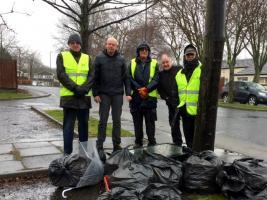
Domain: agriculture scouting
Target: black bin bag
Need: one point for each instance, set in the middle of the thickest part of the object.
(158, 191)
(200, 171)
(116, 159)
(67, 171)
(132, 176)
(244, 179)
(165, 170)
(77, 170)
(119, 193)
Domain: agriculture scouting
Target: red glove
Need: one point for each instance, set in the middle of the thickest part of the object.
(143, 92)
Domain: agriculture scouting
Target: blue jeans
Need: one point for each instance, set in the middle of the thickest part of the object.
(70, 115)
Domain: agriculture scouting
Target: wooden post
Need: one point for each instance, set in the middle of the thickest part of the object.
(211, 69)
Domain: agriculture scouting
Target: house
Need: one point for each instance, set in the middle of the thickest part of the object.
(45, 78)
(244, 71)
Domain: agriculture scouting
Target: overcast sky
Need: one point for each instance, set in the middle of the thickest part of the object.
(35, 31)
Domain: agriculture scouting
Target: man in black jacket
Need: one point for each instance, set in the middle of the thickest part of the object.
(110, 80)
(76, 75)
(168, 91)
(143, 73)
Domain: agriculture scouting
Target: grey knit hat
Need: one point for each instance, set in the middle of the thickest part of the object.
(75, 38)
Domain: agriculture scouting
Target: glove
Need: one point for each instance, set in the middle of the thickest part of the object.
(143, 92)
(80, 91)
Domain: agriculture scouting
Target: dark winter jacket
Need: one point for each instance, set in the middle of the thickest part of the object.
(110, 75)
(167, 86)
(74, 101)
(141, 79)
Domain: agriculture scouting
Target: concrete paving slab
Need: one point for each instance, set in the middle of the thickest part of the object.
(10, 167)
(31, 145)
(33, 162)
(227, 156)
(5, 148)
(39, 151)
(57, 143)
(6, 157)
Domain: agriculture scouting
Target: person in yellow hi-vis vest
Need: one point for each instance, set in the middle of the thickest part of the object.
(188, 82)
(76, 76)
(143, 73)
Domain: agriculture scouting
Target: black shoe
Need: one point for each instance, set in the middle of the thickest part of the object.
(151, 144)
(117, 147)
(136, 146)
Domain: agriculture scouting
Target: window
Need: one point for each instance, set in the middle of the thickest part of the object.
(242, 78)
(263, 80)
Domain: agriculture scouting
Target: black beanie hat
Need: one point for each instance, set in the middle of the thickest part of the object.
(75, 38)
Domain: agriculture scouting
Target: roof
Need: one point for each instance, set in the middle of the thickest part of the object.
(248, 67)
(251, 71)
(244, 63)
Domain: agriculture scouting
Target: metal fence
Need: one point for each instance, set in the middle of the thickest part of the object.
(8, 74)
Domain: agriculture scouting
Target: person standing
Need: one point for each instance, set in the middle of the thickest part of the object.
(110, 81)
(168, 91)
(143, 73)
(76, 75)
(188, 82)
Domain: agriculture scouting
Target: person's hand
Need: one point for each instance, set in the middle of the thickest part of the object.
(80, 91)
(97, 99)
(143, 92)
(129, 98)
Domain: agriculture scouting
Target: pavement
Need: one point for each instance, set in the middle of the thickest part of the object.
(28, 156)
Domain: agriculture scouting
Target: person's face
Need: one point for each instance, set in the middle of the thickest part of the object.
(75, 46)
(143, 53)
(166, 63)
(190, 56)
(111, 46)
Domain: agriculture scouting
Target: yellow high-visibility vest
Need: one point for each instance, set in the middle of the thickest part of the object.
(189, 91)
(152, 71)
(77, 72)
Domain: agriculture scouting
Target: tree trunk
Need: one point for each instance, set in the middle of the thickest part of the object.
(84, 26)
(208, 99)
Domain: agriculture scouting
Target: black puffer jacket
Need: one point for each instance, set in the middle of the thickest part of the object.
(73, 101)
(110, 75)
(141, 79)
(167, 86)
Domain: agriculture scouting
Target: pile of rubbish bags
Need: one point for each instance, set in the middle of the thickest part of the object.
(77, 170)
(146, 174)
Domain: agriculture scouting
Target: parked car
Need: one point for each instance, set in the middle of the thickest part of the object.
(246, 92)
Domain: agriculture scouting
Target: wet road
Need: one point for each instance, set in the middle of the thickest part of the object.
(244, 125)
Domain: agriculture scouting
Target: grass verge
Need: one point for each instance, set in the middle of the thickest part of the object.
(14, 94)
(93, 124)
(240, 106)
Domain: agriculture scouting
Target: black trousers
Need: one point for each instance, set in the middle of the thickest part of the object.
(150, 116)
(175, 127)
(115, 103)
(188, 126)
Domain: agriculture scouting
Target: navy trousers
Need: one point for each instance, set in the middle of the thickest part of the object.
(70, 116)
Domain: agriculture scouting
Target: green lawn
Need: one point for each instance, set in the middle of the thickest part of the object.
(240, 106)
(13, 94)
(93, 124)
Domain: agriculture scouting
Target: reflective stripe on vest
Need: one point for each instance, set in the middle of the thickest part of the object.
(152, 70)
(189, 91)
(77, 72)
